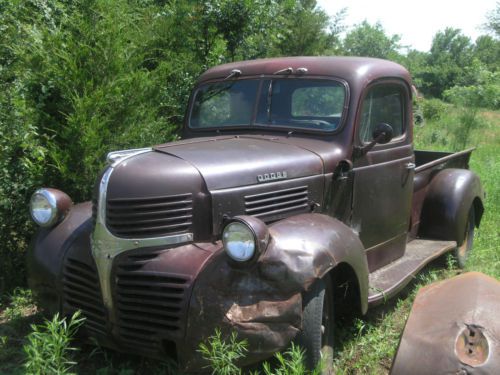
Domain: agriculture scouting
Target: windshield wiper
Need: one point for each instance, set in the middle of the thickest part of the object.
(234, 73)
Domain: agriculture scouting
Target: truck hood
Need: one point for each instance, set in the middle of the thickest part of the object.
(226, 162)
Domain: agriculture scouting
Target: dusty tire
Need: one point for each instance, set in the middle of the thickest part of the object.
(462, 251)
(316, 338)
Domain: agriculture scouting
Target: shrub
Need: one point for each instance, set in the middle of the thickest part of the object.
(432, 109)
(485, 93)
(79, 79)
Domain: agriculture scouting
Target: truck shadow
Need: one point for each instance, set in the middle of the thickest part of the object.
(385, 322)
(14, 327)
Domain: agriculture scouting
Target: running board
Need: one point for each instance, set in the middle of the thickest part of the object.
(390, 279)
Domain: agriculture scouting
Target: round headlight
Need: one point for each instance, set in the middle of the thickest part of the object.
(48, 206)
(239, 241)
(245, 238)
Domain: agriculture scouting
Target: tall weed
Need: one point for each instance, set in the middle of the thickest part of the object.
(49, 350)
(223, 356)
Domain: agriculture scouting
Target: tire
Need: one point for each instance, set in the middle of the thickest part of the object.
(316, 338)
(462, 252)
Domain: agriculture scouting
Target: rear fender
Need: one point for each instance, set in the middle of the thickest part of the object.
(450, 195)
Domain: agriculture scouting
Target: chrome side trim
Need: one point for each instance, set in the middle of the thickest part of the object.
(106, 246)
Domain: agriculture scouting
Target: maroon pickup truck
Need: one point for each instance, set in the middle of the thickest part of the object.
(294, 194)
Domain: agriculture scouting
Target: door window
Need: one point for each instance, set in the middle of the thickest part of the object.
(383, 103)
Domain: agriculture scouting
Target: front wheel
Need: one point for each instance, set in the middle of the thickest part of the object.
(316, 337)
(462, 251)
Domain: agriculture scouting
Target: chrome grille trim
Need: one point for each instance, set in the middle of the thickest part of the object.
(106, 246)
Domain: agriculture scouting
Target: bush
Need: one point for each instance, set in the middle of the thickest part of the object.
(432, 109)
(79, 79)
(484, 93)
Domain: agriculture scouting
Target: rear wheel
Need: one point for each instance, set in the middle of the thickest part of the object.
(462, 251)
(317, 336)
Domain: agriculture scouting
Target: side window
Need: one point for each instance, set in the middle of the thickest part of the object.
(383, 103)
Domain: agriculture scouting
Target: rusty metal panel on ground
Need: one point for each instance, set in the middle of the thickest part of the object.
(453, 328)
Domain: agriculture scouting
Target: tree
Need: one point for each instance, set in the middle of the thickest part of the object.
(487, 51)
(308, 30)
(371, 40)
(451, 52)
(416, 62)
(493, 23)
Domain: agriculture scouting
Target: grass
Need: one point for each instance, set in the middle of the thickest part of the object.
(364, 345)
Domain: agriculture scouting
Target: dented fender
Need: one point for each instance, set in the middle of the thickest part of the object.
(263, 302)
(306, 247)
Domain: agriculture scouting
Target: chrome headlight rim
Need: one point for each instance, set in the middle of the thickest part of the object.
(58, 203)
(260, 235)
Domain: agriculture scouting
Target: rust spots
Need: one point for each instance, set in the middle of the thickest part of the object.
(472, 346)
(454, 326)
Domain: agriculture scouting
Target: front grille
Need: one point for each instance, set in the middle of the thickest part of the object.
(149, 217)
(277, 202)
(149, 304)
(81, 291)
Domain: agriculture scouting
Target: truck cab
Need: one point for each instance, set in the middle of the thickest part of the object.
(294, 193)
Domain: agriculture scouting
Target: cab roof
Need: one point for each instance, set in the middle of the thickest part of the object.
(355, 70)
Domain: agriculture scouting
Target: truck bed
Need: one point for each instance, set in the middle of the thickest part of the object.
(426, 160)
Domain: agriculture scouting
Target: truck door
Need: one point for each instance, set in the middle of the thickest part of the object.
(383, 177)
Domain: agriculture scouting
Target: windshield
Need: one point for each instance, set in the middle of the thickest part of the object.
(290, 103)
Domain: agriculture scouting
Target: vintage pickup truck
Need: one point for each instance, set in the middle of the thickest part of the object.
(295, 194)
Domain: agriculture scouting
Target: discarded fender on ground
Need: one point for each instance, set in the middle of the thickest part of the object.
(453, 328)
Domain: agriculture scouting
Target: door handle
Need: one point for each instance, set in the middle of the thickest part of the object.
(410, 166)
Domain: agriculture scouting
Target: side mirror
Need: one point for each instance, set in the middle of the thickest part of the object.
(382, 133)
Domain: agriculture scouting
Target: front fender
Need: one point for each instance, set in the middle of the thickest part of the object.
(46, 253)
(450, 195)
(306, 247)
(263, 302)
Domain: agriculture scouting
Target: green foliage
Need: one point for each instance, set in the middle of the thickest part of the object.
(432, 109)
(48, 349)
(20, 300)
(92, 75)
(308, 30)
(487, 51)
(223, 356)
(291, 362)
(493, 23)
(451, 52)
(484, 92)
(371, 40)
